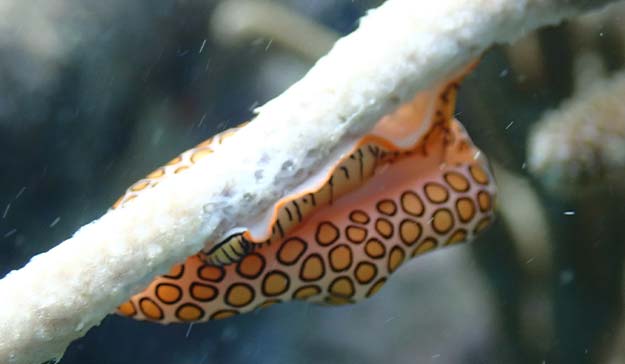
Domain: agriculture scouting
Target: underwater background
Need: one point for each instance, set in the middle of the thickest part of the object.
(95, 94)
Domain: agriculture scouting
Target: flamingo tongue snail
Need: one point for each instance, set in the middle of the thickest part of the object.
(413, 183)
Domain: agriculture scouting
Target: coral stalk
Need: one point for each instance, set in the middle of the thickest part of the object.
(580, 147)
(400, 48)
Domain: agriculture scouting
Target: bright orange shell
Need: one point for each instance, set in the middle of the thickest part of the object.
(415, 183)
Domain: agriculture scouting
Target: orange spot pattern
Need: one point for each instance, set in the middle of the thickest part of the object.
(328, 265)
(175, 166)
(333, 258)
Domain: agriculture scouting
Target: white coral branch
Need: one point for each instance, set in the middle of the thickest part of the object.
(399, 48)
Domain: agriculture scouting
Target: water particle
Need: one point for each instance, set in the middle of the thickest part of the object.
(201, 120)
(6, 210)
(202, 46)
(569, 213)
(10, 232)
(55, 221)
(20, 192)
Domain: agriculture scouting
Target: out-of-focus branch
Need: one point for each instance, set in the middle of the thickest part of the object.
(239, 20)
(400, 48)
(580, 147)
